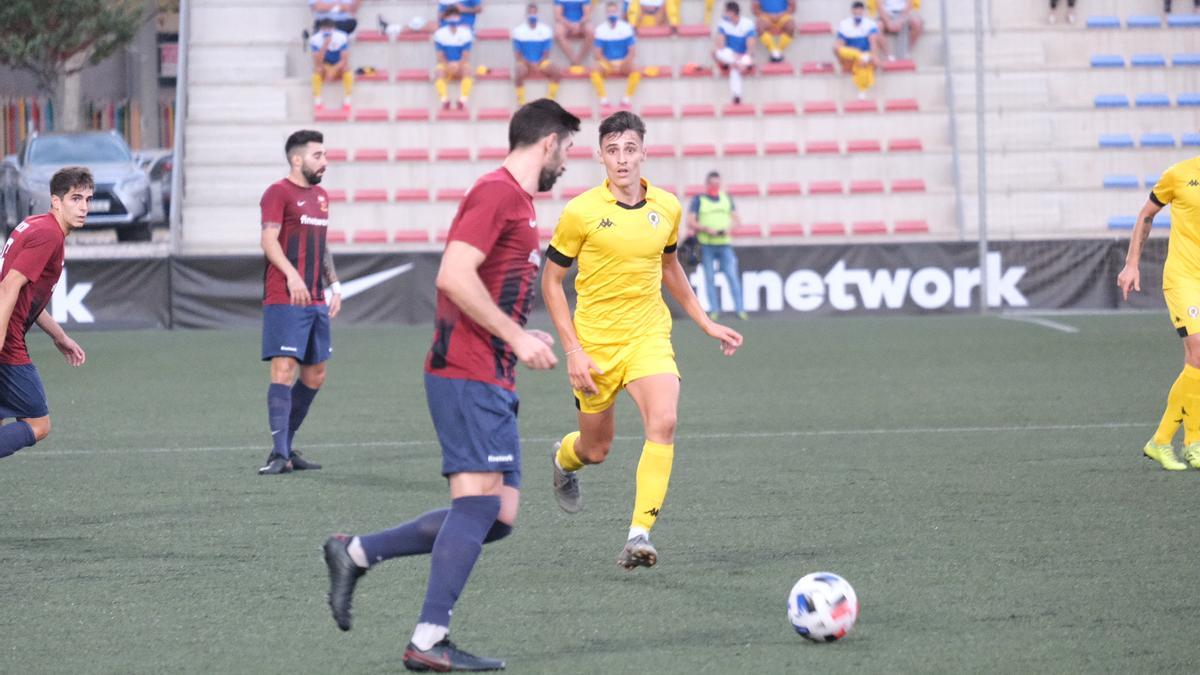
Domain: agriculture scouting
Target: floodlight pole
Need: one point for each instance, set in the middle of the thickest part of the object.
(981, 155)
(181, 66)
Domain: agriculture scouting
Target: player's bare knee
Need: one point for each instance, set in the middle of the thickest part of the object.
(595, 451)
(662, 425)
(40, 427)
(283, 370)
(313, 377)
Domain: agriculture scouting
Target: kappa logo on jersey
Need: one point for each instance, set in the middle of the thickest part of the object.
(606, 223)
(1194, 183)
(654, 218)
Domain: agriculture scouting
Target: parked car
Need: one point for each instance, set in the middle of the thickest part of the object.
(158, 164)
(123, 198)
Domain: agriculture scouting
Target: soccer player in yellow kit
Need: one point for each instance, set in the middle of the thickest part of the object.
(1179, 187)
(623, 233)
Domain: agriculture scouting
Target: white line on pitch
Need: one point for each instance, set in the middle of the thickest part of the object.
(535, 439)
(1045, 323)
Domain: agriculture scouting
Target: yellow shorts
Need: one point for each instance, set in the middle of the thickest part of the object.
(1183, 302)
(623, 364)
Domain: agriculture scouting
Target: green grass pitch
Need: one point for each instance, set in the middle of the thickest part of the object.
(978, 481)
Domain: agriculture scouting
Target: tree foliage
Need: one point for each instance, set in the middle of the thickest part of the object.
(55, 38)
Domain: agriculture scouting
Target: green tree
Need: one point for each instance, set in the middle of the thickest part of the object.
(56, 39)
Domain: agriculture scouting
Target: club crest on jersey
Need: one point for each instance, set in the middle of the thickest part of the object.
(654, 218)
(1193, 312)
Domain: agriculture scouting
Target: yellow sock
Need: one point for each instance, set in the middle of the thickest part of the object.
(520, 95)
(464, 87)
(634, 13)
(1190, 404)
(864, 75)
(552, 91)
(598, 84)
(784, 41)
(567, 459)
(440, 85)
(768, 41)
(708, 5)
(317, 81)
(347, 82)
(653, 475)
(673, 12)
(631, 84)
(1173, 415)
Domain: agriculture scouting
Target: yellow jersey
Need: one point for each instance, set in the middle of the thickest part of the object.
(620, 250)
(1179, 187)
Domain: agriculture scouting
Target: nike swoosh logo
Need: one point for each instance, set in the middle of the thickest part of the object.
(363, 284)
(299, 203)
(276, 431)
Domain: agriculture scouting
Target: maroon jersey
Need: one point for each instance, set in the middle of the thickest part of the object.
(303, 216)
(35, 249)
(498, 218)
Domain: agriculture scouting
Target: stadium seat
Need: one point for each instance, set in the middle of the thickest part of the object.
(1108, 61)
(442, 235)
(904, 145)
(370, 155)
(583, 112)
(1188, 100)
(453, 115)
(786, 230)
(492, 34)
(866, 186)
(333, 236)
(370, 237)
(739, 150)
(1127, 222)
(371, 115)
(1151, 181)
(1120, 181)
(863, 106)
(817, 68)
(331, 114)
(825, 187)
(911, 227)
(908, 185)
(493, 114)
(700, 150)
(694, 30)
(1190, 139)
(410, 236)
(412, 75)
(336, 154)
(368, 35)
(869, 227)
(779, 108)
(581, 152)
(1148, 61)
(695, 70)
(450, 194)
(782, 68)
(1116, 141)
(1186, 59)
(571, 192)
(899, 66)
(1152, 101)
(783, 148)
(660, 150)
(822, 147)
(1153, 140)
(698, 110)
(412, 195)
(653, 111)
(337, 195)
(814, 28)
(412, 155)
(412, 114)
(746, 230)
(736, 110)
(1183, 21)
(815, 107)
(1112, 101)
(1143, 21)
(453, 155)
(493, 153)
(370, 196)
(743, 189)
(863, 145)
(901, 105)
(783, 189)
(379, 75)
(828, 229)
(545, 233)
(1103, 21)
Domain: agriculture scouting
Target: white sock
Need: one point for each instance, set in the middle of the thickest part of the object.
(357, 554)
(735, 81)
(635, 531)
(428, 634)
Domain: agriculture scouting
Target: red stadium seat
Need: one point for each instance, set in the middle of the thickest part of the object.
(901, 105)
(869, 227)
(829, 229)
(581, 152)
(779, 108)
(657, 72)
(412, 114)
(493, 153)
(782, 68)
(652, 111)
(866, 186)
(583, 112)
(336, 154)
(815, 107)
(695, 30)
(331, 114)
(787, 230)
(333, 236)
(370, 155)
(736, 110)
(337, 195)
(912, 227)
(667, 187)
(453, 155)
(410, 236)
(374, 76)
(743, 190)
(492, 34)
(412, 75)
(698, 110)
(825, 187)
(453, 115)
(660, 151)
(412, 155)
(695, 70)
(367, 35)
(370, 196)
(814, 28)
(904, 145)
(450, 194)
(822, 147)
(746, 230)
(700, 150)
(739, 150)
(412, 195)
(370, 237)
(908, 185)
(494, 114)
(654, 32)
(783, 189)
(496, 74)
(781, 148)
(545, 233)
(864, 145)
(573, 191)
(857, 106)
(693, 190)
(442, 235)
(421, 35)
(817, 68)
(901, 65)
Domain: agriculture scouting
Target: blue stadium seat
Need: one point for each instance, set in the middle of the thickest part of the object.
(1188, 99)
(1152, 101)
(1163, 219)
(1147, 61)
(1116, 141)
(1151, 181)
(1186, 59)
(1108, 61)
(1112, 101)
(1121, 182)
(1157, 141)
(1102, 21)
(1143, 21)
(1183, 21)
(1190, 139)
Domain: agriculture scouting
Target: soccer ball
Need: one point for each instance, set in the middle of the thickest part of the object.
(416, 24)
(822, 607)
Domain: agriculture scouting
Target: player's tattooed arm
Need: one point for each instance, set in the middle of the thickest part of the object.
(331, 276)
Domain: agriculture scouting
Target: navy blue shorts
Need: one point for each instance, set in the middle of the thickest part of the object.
(299, 332)
(476, 425)
(21, 392)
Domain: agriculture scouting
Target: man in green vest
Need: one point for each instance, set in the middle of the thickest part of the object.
(712, 216)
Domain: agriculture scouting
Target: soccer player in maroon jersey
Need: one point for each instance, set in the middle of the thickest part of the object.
(32, 265)
(485, 288)
(295, 216)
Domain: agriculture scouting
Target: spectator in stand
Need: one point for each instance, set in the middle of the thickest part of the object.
(340, 11)
(331, 60)
(453, 43)
(652, 13)
(712, 216)
(532, 41)
(467, 9)
(776, 21)
(571, 23)
(615, 51)
(734, 44)
(900, 18)
(1166, 6)
(1071, 9)
(858, 47)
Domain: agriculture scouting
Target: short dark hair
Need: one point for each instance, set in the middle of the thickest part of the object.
(620, 122)
(537, 120)
(451, 10)
(857, 4)
(70, 177)
(733, 7)
(300, 139)
(326, 23)
(711, 175)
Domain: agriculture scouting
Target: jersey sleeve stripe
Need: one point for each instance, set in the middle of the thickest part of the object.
(1154, 198)
(558, 257)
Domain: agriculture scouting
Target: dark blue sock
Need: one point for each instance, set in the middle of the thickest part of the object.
(302, 397)
(279, 408)
(416, 537)
(15, 436)
(454, 554)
